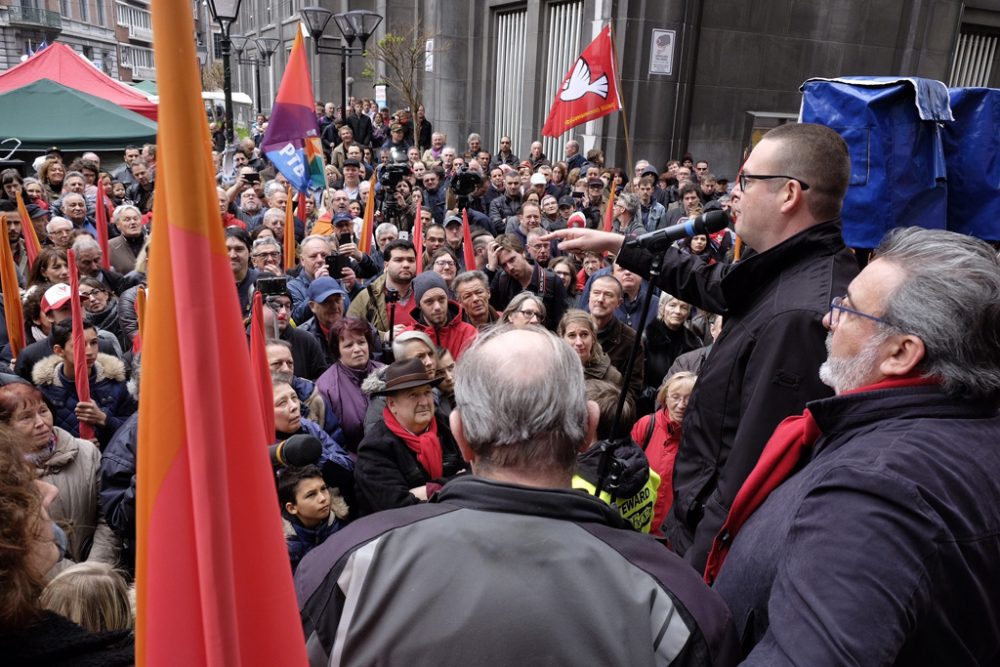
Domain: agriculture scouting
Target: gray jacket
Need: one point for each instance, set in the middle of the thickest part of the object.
(497, 574)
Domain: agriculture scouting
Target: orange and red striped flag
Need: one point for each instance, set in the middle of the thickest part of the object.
(101, 219)
(31, 244)
(214, 585)
(258, 359)
(609, 212)
(11, 294)
(368, 220)
(289, 234)
(468, 251)
(418, 239)
(80, 371)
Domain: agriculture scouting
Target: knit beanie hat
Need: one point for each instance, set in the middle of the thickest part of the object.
(426, 281)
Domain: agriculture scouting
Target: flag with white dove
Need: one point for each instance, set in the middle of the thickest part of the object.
(589, 90)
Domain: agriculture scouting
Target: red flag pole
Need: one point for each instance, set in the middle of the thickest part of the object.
(418, 239)
(302, 205)
(31, 244)
(102, 226)
(261, 369)
(80, 370)
(11, 295)
(467, 249)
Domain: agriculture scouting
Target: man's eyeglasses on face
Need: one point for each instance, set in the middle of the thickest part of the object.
(837, 306)
(744, 177)
(268, 255)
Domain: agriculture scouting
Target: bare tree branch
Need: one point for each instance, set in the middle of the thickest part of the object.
(403, 57)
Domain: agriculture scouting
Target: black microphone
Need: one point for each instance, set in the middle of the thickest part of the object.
(661, 239)
(299, 450)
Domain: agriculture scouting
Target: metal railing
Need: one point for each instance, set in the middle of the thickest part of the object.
(32, 16)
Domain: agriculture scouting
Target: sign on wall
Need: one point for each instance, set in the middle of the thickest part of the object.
(661, 52)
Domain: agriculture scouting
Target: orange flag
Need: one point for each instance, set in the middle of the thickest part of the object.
(11, 294)
(31, 244)
(289, 240)
(258, 357)
(101, 219)
(80, 371)
(468, 251)
(367, 230)
(214, 586)
(418, 239)
(609, 213)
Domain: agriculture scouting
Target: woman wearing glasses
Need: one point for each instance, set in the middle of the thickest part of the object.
(101, 307)
(524, 309)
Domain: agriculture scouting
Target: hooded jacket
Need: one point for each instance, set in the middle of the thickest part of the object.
(107, 390)
(637, 483)
(454, 336)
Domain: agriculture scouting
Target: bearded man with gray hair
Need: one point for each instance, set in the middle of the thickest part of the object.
(883, 548)
(509, 566)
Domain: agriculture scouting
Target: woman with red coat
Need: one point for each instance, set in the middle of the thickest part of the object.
(659, 434)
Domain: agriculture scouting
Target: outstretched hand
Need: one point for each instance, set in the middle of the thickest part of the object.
(586, 239)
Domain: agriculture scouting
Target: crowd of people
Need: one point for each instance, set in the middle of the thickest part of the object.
(788, 460)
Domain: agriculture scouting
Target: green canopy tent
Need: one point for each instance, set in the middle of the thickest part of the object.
(148, 87)
(45, 113)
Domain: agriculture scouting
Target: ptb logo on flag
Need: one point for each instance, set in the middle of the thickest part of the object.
(588, 91)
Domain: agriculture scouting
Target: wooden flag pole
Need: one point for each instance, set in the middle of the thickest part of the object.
(621, 100)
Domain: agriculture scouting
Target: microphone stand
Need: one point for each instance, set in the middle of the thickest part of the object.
(608, 467)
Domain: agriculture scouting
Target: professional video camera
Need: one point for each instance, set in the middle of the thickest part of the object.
(463, 184)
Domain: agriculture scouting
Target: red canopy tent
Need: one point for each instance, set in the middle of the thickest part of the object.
(64, 65)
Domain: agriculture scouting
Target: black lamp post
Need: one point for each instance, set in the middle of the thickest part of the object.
(224, 12)
(266, 47)
(359, 24)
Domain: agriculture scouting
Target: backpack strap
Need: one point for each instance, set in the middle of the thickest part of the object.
(649, 431)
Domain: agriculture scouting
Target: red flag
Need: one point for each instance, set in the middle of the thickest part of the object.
(418, 239)
(467, 249)
(214, 586)
(301, 208)
(289, 236)
(609, 213)
(31, 244)
(11, 294)
(102, 226)
(80, 371)
(258, 359)
(589, 90)
(367, 231)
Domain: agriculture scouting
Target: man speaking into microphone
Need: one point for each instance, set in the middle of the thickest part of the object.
(765, 364)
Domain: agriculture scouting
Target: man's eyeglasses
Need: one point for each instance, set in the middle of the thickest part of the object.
(837, 306)
(268, 255)
(744, 177)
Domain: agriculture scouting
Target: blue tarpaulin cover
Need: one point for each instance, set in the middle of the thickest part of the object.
(892, 127)
(972, 152)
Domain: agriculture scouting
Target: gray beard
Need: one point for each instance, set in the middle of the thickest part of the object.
(849, 373)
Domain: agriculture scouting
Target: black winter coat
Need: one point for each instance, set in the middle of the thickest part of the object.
(763, 368)
(387, 469)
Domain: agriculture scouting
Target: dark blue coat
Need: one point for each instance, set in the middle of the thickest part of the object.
(883, 550)
(118, 486)
(107, 389)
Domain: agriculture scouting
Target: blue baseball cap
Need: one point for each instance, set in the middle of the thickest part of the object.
(323, 288)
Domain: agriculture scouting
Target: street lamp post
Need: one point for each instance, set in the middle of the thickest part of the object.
(359, 24)
(224, 12)
(266, 47)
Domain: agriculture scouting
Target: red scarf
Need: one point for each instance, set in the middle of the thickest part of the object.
(788, 447)
(426, 446)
